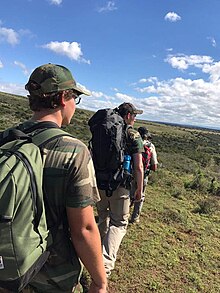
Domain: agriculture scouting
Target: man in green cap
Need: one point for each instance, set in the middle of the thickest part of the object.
(69, 183)
(113, 211)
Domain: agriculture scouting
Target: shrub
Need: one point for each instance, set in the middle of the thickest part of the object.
(177, 192)
(198, 182)
(169, 216)
(214, 187)
(207, 206)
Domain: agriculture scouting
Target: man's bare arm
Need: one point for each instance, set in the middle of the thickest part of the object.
(86, 240)
(139, 176)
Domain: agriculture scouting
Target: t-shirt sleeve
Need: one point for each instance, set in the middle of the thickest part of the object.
(81, 186)
(69, 176)
(135, 143)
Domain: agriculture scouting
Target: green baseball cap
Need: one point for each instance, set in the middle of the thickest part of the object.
(50, 78)
(126, 108)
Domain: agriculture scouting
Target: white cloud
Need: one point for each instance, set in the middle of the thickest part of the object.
(151, 79)
(99, 100)
(124, 97)
(13, 88)
(182, 62)
(97, 94)
(177, 100)
(1, 64)
(213, 70)
(71, 50)
(184, 101)
(110, 6)
(25, 33)
(172, 17)
(55, 2)
(23, 67)
(142, 80)
(213, 41)
(9, 35)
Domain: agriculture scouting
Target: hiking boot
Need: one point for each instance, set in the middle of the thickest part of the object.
(134, 220)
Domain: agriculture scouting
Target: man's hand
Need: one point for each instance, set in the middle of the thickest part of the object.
(137, 195)
(94, 288)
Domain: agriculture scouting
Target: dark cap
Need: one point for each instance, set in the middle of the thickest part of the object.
(144, 132)
(126, 108)
(50, 78)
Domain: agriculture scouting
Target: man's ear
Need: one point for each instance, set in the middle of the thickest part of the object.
(62, 99)
(128, 115)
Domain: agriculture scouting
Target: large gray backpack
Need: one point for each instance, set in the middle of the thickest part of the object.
(23, 227)
(108, 146)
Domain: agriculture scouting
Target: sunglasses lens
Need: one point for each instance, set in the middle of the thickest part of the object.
(77, 100)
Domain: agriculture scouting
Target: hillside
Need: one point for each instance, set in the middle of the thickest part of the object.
(176, 245)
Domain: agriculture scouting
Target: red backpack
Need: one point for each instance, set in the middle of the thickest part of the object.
(146, 156)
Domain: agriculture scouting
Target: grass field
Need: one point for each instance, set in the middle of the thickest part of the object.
(176, 245)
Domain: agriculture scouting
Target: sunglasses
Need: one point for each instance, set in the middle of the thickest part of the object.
(76, 98)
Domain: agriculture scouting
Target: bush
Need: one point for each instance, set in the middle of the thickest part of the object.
(214, 187)
(198, 182)
(169, 216)
(177, 192)
(207, 206)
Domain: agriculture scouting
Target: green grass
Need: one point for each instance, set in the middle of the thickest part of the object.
(172, 249)
(176, 245)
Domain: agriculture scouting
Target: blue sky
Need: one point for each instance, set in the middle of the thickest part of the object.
(161, 55)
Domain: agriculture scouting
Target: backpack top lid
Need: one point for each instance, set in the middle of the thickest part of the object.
(104, 115)
(144, 132)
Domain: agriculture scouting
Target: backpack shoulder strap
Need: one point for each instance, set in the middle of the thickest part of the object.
(39, 125)
(126, 128)
(47, 135)
(40, 139)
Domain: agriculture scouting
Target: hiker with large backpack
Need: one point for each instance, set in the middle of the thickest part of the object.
(116, 150)
(149, 158)
(47, 193)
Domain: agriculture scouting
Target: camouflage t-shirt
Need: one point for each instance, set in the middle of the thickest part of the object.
(69, 181)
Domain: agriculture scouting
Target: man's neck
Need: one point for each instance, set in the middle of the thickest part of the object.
(42, 116)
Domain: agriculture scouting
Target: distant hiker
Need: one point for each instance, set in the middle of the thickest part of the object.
(149, 163)
(69, 186)
(114, 180)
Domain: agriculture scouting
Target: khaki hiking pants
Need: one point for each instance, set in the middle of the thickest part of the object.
(113, 215)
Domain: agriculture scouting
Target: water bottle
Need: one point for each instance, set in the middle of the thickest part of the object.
(127, 163)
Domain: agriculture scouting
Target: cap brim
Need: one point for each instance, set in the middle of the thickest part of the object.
(82, 91)
(138, 111)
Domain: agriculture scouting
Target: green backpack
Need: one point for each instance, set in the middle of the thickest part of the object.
(23, 227)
